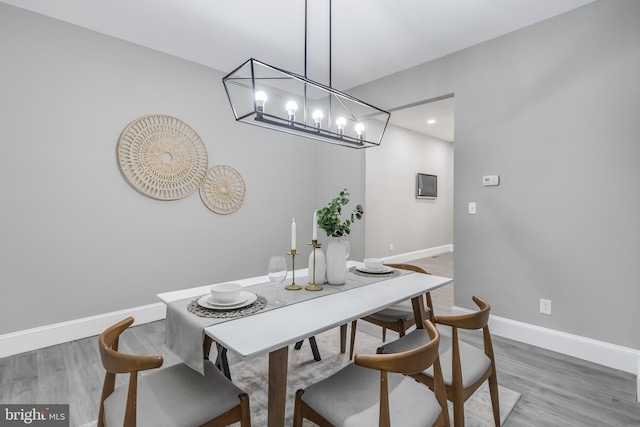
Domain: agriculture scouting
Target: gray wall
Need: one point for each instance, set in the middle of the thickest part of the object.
(76, 239)
(394, 214)
(553, 109)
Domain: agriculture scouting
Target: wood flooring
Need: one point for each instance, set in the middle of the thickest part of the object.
(556, 390)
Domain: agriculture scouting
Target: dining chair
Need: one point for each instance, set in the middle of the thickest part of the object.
(399, 317)
(173, 396)
(464, 367)
(373, 390)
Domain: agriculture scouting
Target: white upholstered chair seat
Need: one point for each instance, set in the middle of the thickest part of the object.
(473, 360)
(351, 397)
(403, 310)
(175, 396)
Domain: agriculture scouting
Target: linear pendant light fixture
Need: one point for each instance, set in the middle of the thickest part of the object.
(270, 97)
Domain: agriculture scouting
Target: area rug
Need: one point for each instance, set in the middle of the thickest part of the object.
(251, 376)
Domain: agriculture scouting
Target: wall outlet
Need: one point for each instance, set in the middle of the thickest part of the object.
(391, 247)
(472, 208)
(545, 306)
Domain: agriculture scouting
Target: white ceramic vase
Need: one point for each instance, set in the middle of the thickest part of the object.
(336, 262)
(320, 266)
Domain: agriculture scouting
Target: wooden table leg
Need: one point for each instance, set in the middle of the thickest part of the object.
(343, 338)
(418, 310)
(278, 360)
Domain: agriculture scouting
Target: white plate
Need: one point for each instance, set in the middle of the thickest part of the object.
(245, 299)
(384, 269)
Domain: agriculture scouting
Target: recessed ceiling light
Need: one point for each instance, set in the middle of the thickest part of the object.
(431, 121)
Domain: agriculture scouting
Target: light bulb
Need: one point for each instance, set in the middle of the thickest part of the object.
(291, 108)
(317, 118)
(360, 131)
(340, 122)
(261, 99)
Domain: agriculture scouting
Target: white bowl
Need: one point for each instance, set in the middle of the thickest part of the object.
(373, 263)
(225, 292)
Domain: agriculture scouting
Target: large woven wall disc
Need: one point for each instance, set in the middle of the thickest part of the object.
(223, 190)
(162, 157)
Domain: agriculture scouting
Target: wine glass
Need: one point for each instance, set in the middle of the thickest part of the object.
(277, 275)
(347, 248)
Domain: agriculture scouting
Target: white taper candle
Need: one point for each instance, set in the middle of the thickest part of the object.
(315, 225)
(293, 234)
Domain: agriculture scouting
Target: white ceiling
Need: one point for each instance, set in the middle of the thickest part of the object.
(371, 38)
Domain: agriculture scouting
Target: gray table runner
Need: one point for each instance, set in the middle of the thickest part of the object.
(185, 330)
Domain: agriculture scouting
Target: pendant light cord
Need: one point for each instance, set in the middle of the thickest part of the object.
(306, 36)
(330, 42)
(304, 101)
(306, 14)
(330, 56)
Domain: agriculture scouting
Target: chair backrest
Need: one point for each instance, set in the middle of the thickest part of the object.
(408, 362)
(417, 269)
(409, 267)
(476, 320)
(115, 362)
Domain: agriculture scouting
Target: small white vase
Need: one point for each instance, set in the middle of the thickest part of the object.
(320, 267)
(336, 262)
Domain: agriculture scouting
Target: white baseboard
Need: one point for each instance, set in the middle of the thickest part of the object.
(58, 333)
(423, 253)
(600, 352)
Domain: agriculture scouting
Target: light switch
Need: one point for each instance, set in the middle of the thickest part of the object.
(472, 208)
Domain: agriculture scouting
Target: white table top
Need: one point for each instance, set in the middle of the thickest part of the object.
(262, 333)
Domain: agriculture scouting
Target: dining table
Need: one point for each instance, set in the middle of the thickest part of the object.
(308, 313)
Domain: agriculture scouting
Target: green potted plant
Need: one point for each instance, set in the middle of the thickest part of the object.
(329, 220)
(329, 217)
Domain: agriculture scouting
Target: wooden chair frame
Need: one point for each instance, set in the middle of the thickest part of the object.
(455, 392)
(400, 325)
(115, 362)
(411, 361)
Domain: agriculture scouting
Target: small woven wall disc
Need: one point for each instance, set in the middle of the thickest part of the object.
(223, 190)
(162, 157)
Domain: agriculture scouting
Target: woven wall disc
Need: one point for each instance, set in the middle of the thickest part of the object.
(162, 157)
(223, 189)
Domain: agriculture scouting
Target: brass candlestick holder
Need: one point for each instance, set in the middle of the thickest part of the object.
(293, 286)
(314, 286)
